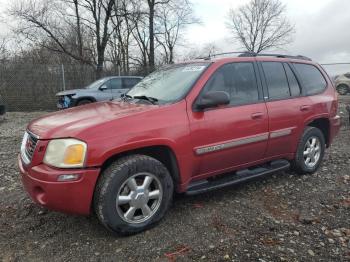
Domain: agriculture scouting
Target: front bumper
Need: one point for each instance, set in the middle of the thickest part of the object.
(74, 197)
(65, 102)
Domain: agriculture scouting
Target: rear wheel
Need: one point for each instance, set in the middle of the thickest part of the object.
(343, 89)
(310, 151)
(133, 194)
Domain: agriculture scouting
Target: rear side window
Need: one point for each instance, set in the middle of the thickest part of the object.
(238, 80)
(311, 78)
(276, 80)
(115, 83)
(293, 82)
(130, 82)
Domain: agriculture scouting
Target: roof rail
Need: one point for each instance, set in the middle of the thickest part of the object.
(287, 56)
(253, 54)
(220, 54)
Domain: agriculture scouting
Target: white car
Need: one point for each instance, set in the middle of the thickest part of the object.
(342, 84)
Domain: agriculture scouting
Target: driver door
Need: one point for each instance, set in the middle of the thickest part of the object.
(234, 135)
(104, 92)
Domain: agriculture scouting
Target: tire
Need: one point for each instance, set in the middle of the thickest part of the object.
(343, 89)
(84, 102)
(300, 164)
(114, 183)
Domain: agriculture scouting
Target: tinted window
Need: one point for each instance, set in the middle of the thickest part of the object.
(293, 83)
(115, 83)
(276, 80)
(311, 78)
(238, 80)
(130, 82)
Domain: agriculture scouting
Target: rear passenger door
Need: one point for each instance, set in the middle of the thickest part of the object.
(285, 105)
(129, 83)
(232, 135)
(116, 86)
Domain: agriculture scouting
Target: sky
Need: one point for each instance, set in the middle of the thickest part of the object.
(322, 28)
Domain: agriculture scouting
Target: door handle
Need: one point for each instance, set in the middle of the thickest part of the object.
(305, 108)
(257, 115)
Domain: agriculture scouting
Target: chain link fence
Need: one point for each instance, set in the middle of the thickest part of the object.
(32, 87)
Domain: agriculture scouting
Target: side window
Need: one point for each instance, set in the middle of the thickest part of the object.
(276, 80)
(115, 83)
(292, 80)
(238, 80)
(311, 78)
(130, 82)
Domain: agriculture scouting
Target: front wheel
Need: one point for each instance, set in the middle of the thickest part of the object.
(342, 89)
(310, 151)
(84, 102)
(133, 194)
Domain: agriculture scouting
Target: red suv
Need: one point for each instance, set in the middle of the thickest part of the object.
(189, 128)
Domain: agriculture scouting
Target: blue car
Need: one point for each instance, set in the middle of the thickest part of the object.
(104, 89)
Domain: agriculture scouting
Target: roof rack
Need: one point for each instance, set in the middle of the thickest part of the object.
(253, 54)
(287, 56)
(220, 54)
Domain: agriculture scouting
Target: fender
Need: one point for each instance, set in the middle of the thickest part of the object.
(138, 145)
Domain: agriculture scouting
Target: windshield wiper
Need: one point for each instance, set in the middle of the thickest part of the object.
(148, 98)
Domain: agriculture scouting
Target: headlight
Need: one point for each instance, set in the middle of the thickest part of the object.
(65, 153)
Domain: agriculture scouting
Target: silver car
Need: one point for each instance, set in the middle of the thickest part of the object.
(2, 107)
(107, 88)
(342, 84)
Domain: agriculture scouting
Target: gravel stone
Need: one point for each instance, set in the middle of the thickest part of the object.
(250, 218)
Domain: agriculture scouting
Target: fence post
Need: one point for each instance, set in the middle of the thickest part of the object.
(63, 78)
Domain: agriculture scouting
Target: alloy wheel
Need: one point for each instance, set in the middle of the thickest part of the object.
(139, 198)
(312, 152)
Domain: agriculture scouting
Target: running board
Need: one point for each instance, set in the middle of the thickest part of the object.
(202, 186)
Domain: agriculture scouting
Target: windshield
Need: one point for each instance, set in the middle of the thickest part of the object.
(96, 84)
(169, 84)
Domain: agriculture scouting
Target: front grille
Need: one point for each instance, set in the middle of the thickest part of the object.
(28, 147)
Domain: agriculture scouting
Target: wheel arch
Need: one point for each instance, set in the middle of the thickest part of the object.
(91, 98)
(343, 84)
(323, 124)
(162, 153)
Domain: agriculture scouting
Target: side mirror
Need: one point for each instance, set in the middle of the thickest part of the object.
(212, 99)
(103, 87)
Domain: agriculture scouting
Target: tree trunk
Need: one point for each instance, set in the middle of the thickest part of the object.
(171, 55)
(99, 66)
(151, 36)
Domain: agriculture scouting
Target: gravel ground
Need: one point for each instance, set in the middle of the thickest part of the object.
(283, 217)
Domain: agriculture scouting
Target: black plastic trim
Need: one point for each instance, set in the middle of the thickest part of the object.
(238, 177)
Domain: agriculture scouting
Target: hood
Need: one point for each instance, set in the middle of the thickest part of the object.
(72, 122)
(69, 92)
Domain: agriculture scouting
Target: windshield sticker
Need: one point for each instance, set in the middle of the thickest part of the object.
(193, 68)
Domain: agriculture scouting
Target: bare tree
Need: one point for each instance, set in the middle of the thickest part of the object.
(3, 50)
(206, 50)
(51, 23)
(126, 19)
(152, 6)
(260, 25)
(171, 21)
